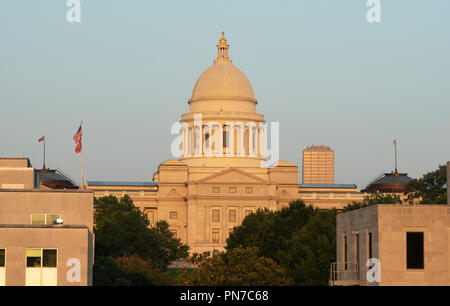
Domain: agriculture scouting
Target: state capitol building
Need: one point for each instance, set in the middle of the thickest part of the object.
(220, 176)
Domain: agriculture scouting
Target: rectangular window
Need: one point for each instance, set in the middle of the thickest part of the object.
(247, 212)
(248, 189)
(216, 189)
(2, 258)
(345, 252)
(215, 235)
(414, 251)
(369, 238)
(232, 215)
(34, 258)
(49, 258)
(51, 219)
(216, 215)
(44, 218)
(232, 189)
(173, 215)
(38, 219)
(38, 258)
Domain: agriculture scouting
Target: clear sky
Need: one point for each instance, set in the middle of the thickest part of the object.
(316, 66)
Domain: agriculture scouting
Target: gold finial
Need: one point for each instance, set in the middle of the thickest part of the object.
(223, 39)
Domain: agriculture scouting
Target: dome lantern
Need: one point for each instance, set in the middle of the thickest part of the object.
(222, 51)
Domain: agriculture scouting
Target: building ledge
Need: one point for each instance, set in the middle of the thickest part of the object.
(43, 226)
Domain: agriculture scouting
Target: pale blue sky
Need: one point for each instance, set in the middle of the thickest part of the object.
(316, 66)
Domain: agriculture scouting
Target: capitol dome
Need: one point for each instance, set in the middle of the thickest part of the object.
(223, 80)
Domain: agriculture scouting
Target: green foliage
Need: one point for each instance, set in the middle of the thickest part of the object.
(237, 267)
(127, 250)
(373, 199)
(430, 188)
(299, 238)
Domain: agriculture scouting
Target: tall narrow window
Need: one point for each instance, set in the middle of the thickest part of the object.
(2, 258)
(216, 215)
(414, 250)
(232, 215)
(215, 235)
(345, 253)
(369, 242)
(2, 268)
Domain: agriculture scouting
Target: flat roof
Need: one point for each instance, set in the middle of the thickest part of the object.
(42, 226)
(48, 190)
(115, 183)
(328, 185)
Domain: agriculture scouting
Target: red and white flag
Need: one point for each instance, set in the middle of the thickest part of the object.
(395, 142)
(77, 138)
(41, 139)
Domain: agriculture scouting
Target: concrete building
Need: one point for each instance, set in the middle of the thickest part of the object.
(318, 165)
(46, 235)
(410, 245)
(219, 177)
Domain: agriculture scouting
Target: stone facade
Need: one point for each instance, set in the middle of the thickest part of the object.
(383, 231)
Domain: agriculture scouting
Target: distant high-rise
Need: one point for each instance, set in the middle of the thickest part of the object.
(318, 165)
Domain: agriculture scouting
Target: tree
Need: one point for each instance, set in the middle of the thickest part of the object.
(125, 244)
(373, 199)
(430, 188)
(299, 238)
(237, 267)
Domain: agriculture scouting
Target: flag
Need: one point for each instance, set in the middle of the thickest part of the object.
(395, 142)
(41, 139)
(77, 139)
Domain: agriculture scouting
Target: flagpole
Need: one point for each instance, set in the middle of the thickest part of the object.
(395, 155)
(45, 139)
(82, 178)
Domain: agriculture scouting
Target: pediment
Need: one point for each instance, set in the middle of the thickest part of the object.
(232, 176)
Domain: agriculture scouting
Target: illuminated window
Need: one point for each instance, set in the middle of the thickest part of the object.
(232, 215)
(216, 215)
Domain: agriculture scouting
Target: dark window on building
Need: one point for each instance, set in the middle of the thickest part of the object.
(414, 251)
(49, 258)
(370, 245)
(2, 257)
(345, 252)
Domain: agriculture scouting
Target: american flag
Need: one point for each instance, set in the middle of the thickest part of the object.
(77, 139)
